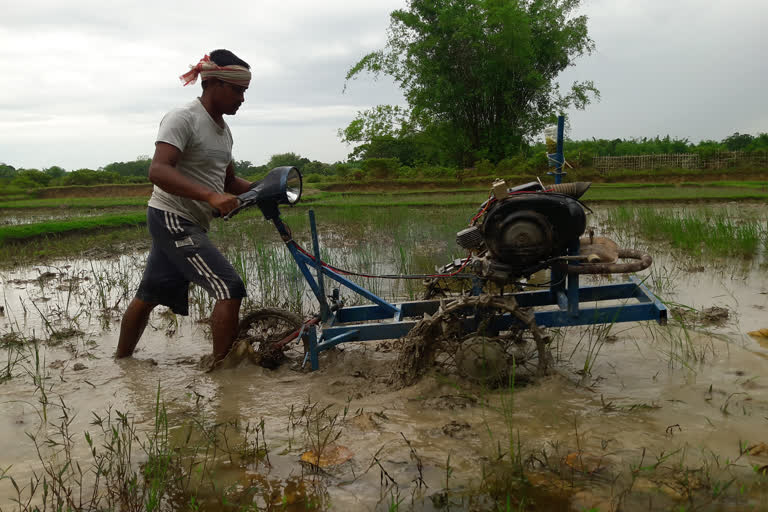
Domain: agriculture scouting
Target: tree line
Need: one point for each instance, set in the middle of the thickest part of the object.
(382, 164)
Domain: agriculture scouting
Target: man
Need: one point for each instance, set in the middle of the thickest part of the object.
(193, 173)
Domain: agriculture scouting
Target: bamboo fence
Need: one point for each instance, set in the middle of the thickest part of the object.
(722, 160)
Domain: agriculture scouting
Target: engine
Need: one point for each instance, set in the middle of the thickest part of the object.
(521, 230)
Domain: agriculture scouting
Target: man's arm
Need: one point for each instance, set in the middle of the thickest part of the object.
(163, 173)
(234, 184)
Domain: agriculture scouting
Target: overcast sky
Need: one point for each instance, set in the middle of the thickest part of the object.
(85, 83)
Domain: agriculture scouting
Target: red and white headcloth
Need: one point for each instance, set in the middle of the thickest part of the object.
(206, 68)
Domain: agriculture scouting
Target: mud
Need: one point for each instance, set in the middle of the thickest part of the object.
(634, 416)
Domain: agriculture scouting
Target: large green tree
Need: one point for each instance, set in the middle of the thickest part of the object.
(479, 76)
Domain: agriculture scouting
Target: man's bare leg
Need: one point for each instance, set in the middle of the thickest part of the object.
(134, 322)
(224, 325)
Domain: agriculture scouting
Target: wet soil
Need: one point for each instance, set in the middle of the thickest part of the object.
(635, 416)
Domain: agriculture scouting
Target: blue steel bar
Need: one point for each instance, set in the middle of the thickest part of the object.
(599, 315)
(325, 310)
(560, 156)
(301, 260)
(643, 294)
(362, 313)
(586, 294)
(367, 332)
(629, 290)
(349, 335)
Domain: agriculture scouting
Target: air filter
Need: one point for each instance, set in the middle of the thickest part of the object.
(470, 238)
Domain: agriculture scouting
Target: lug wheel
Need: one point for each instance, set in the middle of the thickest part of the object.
(264, 328)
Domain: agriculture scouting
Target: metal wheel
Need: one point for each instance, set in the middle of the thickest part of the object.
(441, 339)
(263, 328)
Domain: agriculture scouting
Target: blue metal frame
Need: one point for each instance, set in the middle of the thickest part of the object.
(629, 302)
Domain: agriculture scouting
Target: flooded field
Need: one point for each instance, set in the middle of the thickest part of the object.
(21, 217)
(636, 416)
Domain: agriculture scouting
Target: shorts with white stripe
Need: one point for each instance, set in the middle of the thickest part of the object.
(181, 254)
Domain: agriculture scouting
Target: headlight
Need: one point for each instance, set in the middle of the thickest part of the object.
(282, 185)
(292, 185)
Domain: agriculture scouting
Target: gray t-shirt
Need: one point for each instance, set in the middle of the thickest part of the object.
(206, 152)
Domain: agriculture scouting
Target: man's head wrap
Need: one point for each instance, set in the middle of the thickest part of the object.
(237, 75)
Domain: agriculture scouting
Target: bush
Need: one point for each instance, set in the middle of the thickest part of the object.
(255, 176)
(135, 179)
(313, 178)
(484, 167)
(12, 190)
(510, 164)
(24, 183)
(436, 171)
(341, 170)
(89, 177)
(381, 168)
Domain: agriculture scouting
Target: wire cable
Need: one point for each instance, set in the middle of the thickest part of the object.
(386, 276)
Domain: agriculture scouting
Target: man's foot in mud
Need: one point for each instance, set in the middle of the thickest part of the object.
(131, 360)
(241, 351)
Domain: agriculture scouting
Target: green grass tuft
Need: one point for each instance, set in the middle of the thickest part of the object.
(28, 231)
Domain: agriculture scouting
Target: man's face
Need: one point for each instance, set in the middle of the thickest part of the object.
(229, 96)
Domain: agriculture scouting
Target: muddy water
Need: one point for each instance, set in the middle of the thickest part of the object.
(675, 404)
(19, 217)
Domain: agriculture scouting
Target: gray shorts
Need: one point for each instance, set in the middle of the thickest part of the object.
(181, 254)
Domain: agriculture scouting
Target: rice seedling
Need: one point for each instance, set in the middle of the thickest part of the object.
(13, 343)
(74, 203)
(703, 231)
(168, 467)
(96, 243)
(594, 337)
(26, 231)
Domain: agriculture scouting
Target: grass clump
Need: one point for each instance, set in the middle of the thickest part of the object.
(27, 231)
(72, 202)
(702, 231)
(657, 192)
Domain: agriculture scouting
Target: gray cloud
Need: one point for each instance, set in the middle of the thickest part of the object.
(90, 81)
(674, 67)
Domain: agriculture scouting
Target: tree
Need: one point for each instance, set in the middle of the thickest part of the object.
(383, 131)
(316, 167)
(138, 167)
(7, 171)
(291, 159)
(54, 171)
(31, 178)
(738, 141)
(479, 75)
(90, 177)
(242, 167)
